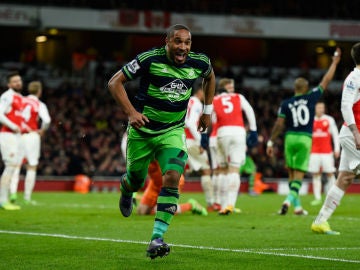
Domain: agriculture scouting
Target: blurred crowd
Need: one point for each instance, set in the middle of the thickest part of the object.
(321, 9)
(87, 124)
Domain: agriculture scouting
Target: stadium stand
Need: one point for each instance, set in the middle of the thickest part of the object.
(333, 9)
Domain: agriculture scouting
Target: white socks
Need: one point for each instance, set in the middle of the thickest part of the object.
(29, 183)
(217, 181)
(224, 190)
(234, 185)
(332, 201)
(229, 190)
(5, 183)
(207, 187)
(14, 182)
(317, 186)
(330, 182)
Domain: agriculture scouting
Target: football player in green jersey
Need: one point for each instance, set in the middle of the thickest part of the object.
(296, 114)
(156, 121)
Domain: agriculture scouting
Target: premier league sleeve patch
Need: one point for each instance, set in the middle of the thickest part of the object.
(133, 66)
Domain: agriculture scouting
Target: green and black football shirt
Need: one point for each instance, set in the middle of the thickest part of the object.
(165, 87)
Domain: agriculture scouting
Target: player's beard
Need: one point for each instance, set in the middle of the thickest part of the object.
(18, 89)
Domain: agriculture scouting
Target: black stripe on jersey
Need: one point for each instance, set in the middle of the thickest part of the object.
(156, 125)
(160, 104)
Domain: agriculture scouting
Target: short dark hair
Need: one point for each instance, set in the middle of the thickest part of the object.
(170, 31)
(10, 75)
(355, 53)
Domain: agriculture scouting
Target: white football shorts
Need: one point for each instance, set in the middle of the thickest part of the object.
(232, 150)
(197, 161)
(10, 145)
(350, 157)
(30, 148)
(322, 163)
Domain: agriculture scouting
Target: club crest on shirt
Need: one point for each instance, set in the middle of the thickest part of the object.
(174, 89)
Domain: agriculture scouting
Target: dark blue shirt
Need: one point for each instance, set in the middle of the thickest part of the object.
(299, 112)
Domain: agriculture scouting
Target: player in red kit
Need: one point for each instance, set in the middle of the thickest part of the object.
(325, 135)
(231, 136)
(33, 111)
(11, 119)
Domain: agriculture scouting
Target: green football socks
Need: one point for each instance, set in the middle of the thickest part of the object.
(166, 208)
(293, 196)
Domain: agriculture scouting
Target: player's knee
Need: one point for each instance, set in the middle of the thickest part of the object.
(348, 180)
(136, 185)
(9, 169)
(345, 179)
(171, 178)
(206, 172)
(31, 167)
(233, 169)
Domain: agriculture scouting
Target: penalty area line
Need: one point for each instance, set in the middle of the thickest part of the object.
(250, 251)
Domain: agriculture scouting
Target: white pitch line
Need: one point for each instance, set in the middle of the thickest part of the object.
(251, 251)
(311, 248)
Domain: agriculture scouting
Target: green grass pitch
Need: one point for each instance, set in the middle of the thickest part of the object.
(87, 231)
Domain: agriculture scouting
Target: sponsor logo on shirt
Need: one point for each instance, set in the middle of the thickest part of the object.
(174, 90)
(319, 133)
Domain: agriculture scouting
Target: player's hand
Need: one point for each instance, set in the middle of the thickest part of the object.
(204, 122)
(41, 132)
(17, 129)
(137, 120)
(337, 55)
(336, 154)
(270, 151)
(357, 141)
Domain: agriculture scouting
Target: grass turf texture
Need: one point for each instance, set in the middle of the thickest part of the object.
(76, 231)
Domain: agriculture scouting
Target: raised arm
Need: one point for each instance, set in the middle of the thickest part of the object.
(329, 75)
